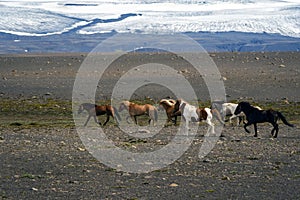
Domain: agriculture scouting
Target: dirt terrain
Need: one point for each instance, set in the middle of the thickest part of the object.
(43, 157)
(52, 163)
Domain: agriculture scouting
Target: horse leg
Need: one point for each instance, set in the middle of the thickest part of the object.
(245, 127)
(135, 120)
(230, 119)
(116, 119)
(187, 124)
(275, 125)
(87, 120)
(96, 120)
(107, 119)
(175, 120)
(128, 118)
(151, 116)
(240, 119)
(255, 130)
(211, 127)
(169, 118)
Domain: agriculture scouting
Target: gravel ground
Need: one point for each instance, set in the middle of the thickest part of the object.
(52, 163)
(42, 156)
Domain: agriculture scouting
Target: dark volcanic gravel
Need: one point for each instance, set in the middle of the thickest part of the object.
(261, 76)
(52, 163)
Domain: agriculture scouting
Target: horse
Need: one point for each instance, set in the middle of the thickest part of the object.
(95, 110)
(254, 116)
(194, 114)
(169, 105)
(228, 109)
(138, 110)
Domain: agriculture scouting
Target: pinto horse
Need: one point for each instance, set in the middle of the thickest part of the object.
(194, 114)
(169, 106)
(95, 110)
(138, 110)
(228, 110)
(254, 116)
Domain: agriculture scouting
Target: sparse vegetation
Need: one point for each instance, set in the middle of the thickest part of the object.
(49, 112)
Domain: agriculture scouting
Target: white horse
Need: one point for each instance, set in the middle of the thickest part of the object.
(194, 114)
(228, 110)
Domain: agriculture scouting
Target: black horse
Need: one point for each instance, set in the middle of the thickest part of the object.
(254, 116)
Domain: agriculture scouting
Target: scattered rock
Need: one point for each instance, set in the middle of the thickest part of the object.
(144, 131)
(183, 71)
(81, 149)
(16, 124)
(225, 178)
(173, 185)
(282, 66)
(48, 94)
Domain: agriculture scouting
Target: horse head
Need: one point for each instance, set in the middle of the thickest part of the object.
(80, 109)
(124, 105)
(177, 105)
(242, 106)
(121, 107)
(166, 103)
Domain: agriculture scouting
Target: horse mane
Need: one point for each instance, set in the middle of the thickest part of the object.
(182, 106)
(248, 105)
(127, 103)
(168, 102)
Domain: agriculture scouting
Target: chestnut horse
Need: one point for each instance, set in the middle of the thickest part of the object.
(138, 110)
(194, 114)
(169, 106)
(254, 116)
(95, 110)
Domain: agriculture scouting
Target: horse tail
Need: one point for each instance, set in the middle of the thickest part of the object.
(118, 117)
(217, 114)
(283, 119)
(155, 114)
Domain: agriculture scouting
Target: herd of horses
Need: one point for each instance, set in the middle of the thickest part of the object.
(243, 111)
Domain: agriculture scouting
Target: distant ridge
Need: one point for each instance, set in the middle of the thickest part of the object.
(212, 42)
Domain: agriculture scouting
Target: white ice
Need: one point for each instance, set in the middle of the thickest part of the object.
(39, 18)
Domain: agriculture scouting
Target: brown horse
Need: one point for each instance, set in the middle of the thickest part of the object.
(138, 110)
(169, 106)
(95, 110)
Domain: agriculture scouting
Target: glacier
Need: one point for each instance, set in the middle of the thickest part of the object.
(26, 20)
